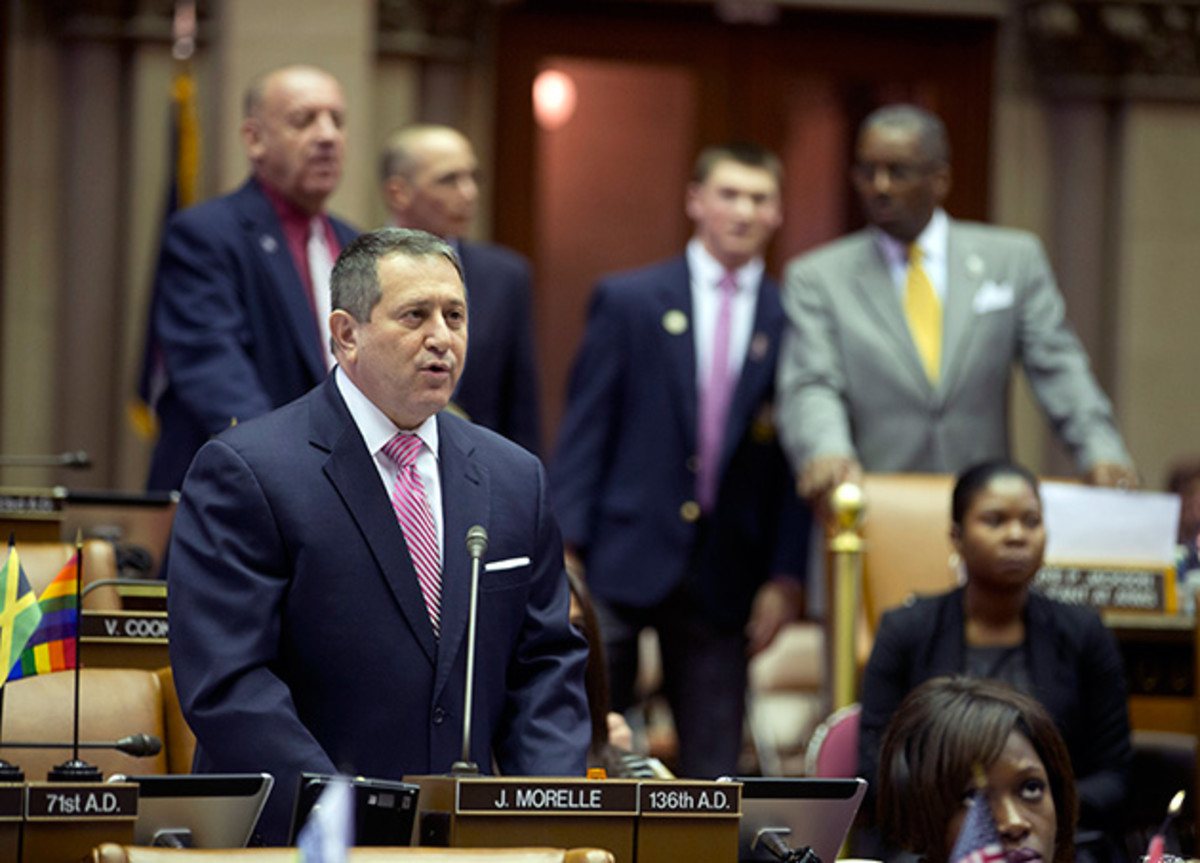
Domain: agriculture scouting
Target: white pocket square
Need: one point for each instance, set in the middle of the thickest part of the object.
(508, 563)
(992, 296)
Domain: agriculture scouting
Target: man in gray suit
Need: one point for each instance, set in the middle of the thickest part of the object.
(902, 337)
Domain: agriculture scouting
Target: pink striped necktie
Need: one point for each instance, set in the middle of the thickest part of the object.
(416, 521)
(715, 398)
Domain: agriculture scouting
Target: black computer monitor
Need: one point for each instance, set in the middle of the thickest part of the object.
(198, 811)
(384, 810)
(803, 812)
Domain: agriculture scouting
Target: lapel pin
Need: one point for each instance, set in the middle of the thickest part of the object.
(268, 244)
(975, 265)
(675, 322)
(759, 345)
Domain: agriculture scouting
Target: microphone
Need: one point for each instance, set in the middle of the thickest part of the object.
(77, 459)
(477, 542)
(137, 745)
(771, 841)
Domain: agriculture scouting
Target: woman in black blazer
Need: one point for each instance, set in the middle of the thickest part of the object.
(994, 626)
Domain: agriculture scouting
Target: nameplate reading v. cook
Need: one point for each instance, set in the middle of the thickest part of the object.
(124, 626)
(57, 800)
(485, 797)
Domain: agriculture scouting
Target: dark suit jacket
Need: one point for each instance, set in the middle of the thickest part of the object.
(231, 322)
(299, 638)
(499, 386)
(623, 475)
(1077, 674)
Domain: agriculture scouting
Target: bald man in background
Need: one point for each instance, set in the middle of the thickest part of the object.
(239, 319)
(431, 183)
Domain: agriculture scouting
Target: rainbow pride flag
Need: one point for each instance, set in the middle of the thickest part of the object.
(52, 645)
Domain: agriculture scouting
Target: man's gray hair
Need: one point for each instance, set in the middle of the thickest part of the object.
(398, 159)
(931, 131)
(355, 281)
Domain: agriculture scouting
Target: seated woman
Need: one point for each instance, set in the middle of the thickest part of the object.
(994, 626)
(943, 735)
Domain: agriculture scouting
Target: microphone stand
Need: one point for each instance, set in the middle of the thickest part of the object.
(770, 840)
(477, 542)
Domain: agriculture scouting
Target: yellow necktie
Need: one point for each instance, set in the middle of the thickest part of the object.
(924, 313)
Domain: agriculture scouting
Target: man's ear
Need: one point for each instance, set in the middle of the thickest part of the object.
(343, 329)
(252, 138)
(398, 193)
(691, 202)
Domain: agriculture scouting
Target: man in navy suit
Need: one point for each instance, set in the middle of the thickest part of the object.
(668, 479)
(311, 628)
(430, 183)
(238, 324)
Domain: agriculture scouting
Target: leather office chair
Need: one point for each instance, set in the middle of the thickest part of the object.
(42, 561)
(833, 749)
(906, 528)
(114, 703)
(112, 853)
(180, 742)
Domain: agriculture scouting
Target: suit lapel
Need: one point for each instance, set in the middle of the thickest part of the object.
(465, 503)
(877, 293)
(352, 472)
(675, 326)
(964, 272)
(261, 222)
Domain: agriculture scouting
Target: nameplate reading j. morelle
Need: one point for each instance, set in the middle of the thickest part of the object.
(599, 797)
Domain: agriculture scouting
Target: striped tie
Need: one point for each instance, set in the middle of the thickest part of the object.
(416, 521)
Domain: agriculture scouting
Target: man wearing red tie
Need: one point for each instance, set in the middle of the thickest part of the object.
(239, 320)
(668, 480)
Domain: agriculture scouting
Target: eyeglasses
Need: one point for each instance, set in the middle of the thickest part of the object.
(896, 172)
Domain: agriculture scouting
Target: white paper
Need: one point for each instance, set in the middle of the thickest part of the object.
(1089, 525)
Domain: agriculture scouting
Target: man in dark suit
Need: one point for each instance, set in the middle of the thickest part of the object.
(902, 338)
(239, 320)
(319, 578)
(430, 183)
(668, 479)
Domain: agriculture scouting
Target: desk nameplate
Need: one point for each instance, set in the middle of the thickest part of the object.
(12, 801)
(1124, 588)
(66, 801)
(507, 797)
(124, 626)
(689, 799)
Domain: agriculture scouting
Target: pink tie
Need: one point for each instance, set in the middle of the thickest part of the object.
(714, 399)
(416, 521)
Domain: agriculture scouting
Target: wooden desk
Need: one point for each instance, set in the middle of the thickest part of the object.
(1160, 669)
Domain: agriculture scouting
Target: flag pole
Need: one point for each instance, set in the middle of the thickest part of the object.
(76, 770)
(78, 620)
(9, 772)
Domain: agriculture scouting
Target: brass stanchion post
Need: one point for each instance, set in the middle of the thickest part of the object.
(845, 587)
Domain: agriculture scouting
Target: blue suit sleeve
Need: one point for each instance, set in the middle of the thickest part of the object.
(228, 577)
(588, 434)
(201, 327)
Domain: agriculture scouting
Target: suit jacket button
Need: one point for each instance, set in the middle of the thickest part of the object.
(693, 463)
(690, 511)
(439, 716)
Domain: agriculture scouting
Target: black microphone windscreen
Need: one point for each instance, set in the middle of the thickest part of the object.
(140, 745)
(477, 541)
